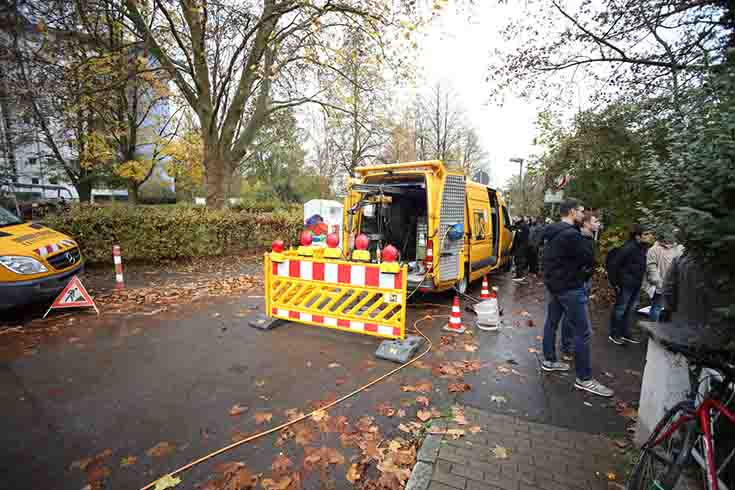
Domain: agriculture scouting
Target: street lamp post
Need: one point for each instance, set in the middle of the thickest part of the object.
(519, 161)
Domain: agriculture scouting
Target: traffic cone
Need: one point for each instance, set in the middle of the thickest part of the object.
(455, 320)
(485, 292)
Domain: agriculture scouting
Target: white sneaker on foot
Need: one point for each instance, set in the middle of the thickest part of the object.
(554, 366)
(594, 387)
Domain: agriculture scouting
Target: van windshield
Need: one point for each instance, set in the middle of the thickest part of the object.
(7, 218)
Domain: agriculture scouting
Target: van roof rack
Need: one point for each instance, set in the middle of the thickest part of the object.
(388, 168)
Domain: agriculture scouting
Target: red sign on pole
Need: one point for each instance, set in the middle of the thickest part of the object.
(73, 296)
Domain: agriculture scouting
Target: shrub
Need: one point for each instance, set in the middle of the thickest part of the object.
(150, 233)
(695, 186)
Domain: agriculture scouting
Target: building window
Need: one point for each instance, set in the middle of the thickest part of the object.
(34, 181)
(32, 161)
(53, 181)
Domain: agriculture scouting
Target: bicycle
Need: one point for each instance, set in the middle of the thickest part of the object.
(687, 432)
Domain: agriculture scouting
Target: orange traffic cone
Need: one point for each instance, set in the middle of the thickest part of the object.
(455, 320)
(485, 292)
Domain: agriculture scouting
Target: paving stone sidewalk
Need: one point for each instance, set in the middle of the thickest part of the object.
(540, 457)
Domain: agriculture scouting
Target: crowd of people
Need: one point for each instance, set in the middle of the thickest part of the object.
(568, 250)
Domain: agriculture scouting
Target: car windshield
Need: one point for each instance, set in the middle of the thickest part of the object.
(7, 218)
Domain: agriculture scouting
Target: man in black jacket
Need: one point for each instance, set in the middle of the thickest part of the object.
(626, 271)
(567, 262)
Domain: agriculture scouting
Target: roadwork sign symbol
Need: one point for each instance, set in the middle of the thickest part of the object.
(73, 296)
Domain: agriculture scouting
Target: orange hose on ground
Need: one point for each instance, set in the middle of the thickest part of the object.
(304, 417)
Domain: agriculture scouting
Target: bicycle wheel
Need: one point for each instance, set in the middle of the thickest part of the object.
(659, 467)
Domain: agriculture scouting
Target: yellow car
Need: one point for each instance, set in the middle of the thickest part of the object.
(35, 262)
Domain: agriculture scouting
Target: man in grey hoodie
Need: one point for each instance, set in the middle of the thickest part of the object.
(658, 262)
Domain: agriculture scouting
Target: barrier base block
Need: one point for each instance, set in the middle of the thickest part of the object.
(264, 322)
(400, 351)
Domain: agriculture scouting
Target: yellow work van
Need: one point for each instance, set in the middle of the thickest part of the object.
(449, 231)
(36, 262)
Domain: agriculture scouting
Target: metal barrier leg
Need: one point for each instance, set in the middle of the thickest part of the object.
(265, 321)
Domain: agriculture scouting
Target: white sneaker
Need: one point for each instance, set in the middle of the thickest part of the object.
(594, 387)
(554, 366)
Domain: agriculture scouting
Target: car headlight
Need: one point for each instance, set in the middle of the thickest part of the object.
(22, 265)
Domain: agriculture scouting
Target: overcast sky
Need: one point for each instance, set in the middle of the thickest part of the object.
(457, 50)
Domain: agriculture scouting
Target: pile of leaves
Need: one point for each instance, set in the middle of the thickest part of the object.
(152, 233)
(127, 300)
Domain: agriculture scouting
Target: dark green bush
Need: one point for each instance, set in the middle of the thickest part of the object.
(150, 233)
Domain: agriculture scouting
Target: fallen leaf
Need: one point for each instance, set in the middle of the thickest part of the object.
(423, 415)
(459, 387)
(385, 409)
(281, 464)
(334, 365)
(423, 387)
(161, 449)
(167, 481)
(455, 433)
(423, 400)
(304, 434)
(293, 414)
(96, 473)
(237, 410)
(128, 461)
(354, 472)
(500, 452)
(282, 484)
(394, 446)
(262, 417)
(611, 476)
(498, 399)
(318, 416)
(232, 476)
(475, 429)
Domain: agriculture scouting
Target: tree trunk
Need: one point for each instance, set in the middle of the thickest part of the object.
(84, 189)
(133, 194)
(216, 181)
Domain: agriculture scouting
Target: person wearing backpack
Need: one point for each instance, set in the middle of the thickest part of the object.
(568, 260)
(626, 269)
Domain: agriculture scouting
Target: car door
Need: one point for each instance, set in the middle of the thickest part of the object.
(480, 239)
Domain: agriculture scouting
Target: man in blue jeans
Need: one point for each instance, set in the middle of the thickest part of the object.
(568, 262)
(626, 271)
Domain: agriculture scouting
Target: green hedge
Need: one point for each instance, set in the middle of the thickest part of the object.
(150, 233)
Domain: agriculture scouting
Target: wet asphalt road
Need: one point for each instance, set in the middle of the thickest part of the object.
(130, 383)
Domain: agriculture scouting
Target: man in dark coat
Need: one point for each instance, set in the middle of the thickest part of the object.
(520, 249)
(568, 260)
(626, 271)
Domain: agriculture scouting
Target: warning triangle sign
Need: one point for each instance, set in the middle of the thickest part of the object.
(74, 295)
